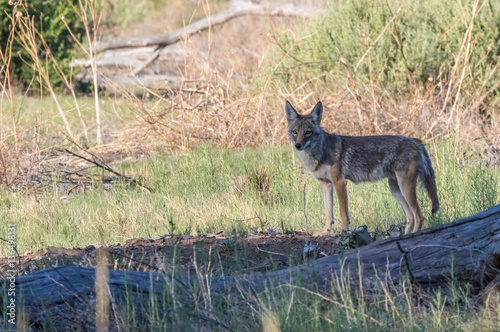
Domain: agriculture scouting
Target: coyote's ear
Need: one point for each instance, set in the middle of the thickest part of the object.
(291, 113)
(316, 113)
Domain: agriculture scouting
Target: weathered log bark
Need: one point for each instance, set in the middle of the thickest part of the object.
(469, 248)
(236, 8)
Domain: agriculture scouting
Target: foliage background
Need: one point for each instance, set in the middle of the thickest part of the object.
(47, 18)
(431, 34)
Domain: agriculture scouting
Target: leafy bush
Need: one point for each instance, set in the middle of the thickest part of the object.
(431, 34)
(46, 16)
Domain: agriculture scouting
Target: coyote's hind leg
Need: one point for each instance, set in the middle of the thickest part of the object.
(407, 182)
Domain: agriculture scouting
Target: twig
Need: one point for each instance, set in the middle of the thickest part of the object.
(269, 252)
(399, 41)
(377, 39)
(356, 94)
(236, 9)
(107, 168)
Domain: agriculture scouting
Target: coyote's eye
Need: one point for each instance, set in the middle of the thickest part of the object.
(308, 133)
(294, 132)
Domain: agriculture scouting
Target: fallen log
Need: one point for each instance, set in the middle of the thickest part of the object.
(467, 249)
(236, 8)
(125, 60)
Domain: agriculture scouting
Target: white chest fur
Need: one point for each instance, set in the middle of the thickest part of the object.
(319, 171)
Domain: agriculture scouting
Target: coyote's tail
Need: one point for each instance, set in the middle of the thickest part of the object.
(429, 180)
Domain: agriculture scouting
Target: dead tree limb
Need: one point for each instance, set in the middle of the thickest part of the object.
(236, 8)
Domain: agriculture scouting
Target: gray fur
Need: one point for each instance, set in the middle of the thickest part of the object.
(361, 158)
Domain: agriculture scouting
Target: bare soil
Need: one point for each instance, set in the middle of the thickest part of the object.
(214, 253)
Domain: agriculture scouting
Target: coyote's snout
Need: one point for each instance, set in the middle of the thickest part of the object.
(333, 159)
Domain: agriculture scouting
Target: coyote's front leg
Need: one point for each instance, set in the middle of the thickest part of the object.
(327, 189)
(341, 189)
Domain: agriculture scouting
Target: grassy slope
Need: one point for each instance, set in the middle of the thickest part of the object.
(211, 190)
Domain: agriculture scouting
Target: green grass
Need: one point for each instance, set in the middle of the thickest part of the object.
(235, 191)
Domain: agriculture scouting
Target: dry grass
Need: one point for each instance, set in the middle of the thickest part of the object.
(227, 95)
(219, 99)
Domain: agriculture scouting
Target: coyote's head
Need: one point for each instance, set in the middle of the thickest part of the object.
(303, 128)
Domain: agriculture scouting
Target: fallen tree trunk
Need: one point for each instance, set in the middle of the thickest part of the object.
(139, 53)
(467, 249)
(236, 8)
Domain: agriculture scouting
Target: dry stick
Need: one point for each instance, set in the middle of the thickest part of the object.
(377, 39)
(468, 53)
(206, 9)
(40, 115)
(106, 167)
(152, 58)
(91, 52)
(236, 9)
(6, 59)
(397, 37)
(27, 40)
(357, 95)
(94, 68)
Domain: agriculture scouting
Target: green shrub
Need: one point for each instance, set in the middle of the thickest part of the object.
(431, 32)
(46, 16)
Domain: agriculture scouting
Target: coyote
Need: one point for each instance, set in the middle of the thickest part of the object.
(333, 159)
